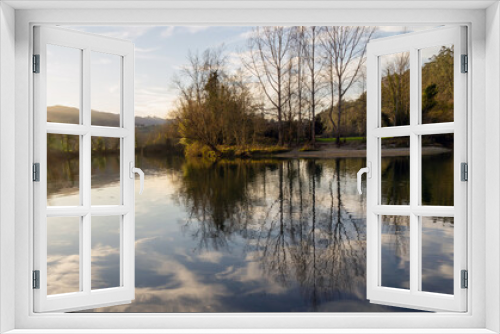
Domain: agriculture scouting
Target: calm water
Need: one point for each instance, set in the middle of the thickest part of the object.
(257, 235)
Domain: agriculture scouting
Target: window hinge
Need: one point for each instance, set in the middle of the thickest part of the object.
(36, 279)
(36, 63)
(465, 279)
(36, 172)
(464, 168)
(465, 63)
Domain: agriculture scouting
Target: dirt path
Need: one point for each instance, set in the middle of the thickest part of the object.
(331, 151)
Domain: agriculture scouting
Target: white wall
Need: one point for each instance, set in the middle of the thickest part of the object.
(482, 185)
(7, 160)
(492, 147)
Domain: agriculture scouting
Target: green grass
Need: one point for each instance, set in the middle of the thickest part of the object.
(342, 139)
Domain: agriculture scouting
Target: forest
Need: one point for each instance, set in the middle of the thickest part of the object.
(291, 87)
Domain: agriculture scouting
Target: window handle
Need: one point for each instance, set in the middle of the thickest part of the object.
(134, 170)
(368, 171)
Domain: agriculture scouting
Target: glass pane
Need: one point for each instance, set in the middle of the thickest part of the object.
(437, 170)
(63, 170)
(395, 171)
(105, 252)
(64, 68)
(437, 84)
(63, 255)
(105, 89)
(395, 256)
(395, 89)
(437, 254)
(105, 171)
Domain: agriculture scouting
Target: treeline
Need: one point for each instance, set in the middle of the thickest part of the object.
(289, 85)
(437, 88)
(69, 145)
(275, 92)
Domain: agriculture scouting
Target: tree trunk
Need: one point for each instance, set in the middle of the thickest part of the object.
(330, 117)
(339, 111)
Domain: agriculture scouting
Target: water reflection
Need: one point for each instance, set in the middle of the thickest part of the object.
(251, 236)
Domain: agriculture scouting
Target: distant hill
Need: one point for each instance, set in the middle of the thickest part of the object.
(62, 114)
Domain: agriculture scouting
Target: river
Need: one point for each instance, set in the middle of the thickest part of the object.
(255, 235)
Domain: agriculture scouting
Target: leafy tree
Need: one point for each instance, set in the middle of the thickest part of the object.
(214, 108)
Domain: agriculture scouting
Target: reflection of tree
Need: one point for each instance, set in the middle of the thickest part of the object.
(396, 180)
(437, 87)
(62, 162)
(298, 227)
(396, 90)
(217, 199)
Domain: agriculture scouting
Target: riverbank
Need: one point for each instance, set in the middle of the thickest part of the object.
(332, 151)
(322, 151)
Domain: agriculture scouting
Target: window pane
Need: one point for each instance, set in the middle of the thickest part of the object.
(63, 165)
(437, 170)
(437, 254)
(64, 67)
(63, 255)
(105, 89)
(437, 84)
(395, 241)
(105, 252)
(105, 171)
(395, 89)
(395, 171)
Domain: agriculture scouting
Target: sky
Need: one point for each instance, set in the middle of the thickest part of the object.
(160, 52)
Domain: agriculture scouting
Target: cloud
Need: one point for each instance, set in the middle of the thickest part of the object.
(170, 30)
(246, 34)
(167, 32)
(146, 50)
(128, 33)
(153, 100)
(195, 29)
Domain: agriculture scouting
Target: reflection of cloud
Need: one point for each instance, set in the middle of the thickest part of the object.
(100, 61)
(102, 251)
(63, 274)
(182, 290)
(251, 274)
(212, 257)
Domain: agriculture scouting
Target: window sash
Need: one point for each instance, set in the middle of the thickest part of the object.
(86, 297)
(475, 18)
(413, 297)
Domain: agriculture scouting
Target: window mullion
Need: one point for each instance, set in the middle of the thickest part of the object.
(414, 172)
(85, 167)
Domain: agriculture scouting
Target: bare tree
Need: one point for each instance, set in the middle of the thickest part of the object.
(344, 49)
(395, 89)
(267, 60)
(211, 102)
(299, 55)
(311, 39)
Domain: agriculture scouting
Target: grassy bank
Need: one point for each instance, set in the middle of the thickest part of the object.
(342, 140)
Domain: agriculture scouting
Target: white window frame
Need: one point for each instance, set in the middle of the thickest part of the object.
(483, 100)
(86, 297)
(414, 296)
